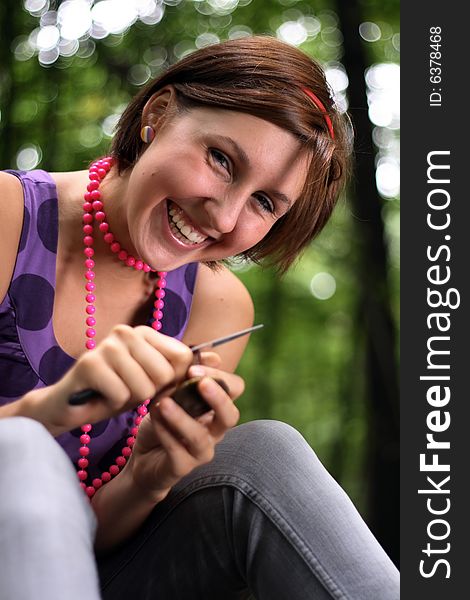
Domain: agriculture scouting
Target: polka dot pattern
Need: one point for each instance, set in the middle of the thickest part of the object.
(48, 225)
(16, 376)
(50, 365)
(25, 232)
(30, 356)
(174, 323)
(32, 287)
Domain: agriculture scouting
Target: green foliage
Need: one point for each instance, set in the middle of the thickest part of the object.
(306, 366)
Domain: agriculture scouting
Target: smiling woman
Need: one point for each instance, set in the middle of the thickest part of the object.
(109, 275)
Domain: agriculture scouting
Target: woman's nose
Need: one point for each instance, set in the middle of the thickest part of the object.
(224, 214)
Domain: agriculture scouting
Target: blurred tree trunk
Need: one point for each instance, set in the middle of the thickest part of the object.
(9, 17)
(382, 396)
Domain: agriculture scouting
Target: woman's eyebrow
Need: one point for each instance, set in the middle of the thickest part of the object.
(243, 158)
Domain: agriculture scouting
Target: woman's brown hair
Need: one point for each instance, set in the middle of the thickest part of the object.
(263, 77)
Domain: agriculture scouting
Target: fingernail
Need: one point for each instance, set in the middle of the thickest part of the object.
(167, 405)
(196, 371)
(209, 387)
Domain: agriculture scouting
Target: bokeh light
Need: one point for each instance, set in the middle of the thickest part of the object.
(323, 286)
(370, 32)
(77, 22)
(28, 157)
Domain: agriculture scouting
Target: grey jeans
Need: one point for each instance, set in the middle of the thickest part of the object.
(264, 519)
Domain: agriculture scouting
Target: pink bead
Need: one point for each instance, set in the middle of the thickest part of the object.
(84, 451)
(95, 195)
(97, 483)
(147, 402)
(114, 469)
(85, 438)
(90, 491)
(160, 293)
(130, 262)
(93, 176)
(138, 421)
(88, 240)
(122, 255)
(159, 304)
(105, 476)
(88, 229)
(90, 298)
(87, 206)
(147, 268)
(90, 286)
(157, 314)
(93, 185)
(82, 485)
(100, 216)
(82, 475)
(161, 283)
(108, 238)
(126, 451)
(91, 321)
(120, 461)
(102, 173)
(88, 252)
(156, 325)
(139, 265)
(97, 205)
(90, 309)
(90, 333)
(87, 197)
(142, 410)
(104, 226)
(89, 263)
(130, 440)
(88, 218)
(90, 344)
(86, 428)
(106, 164)
(90, 275)
(133, 431)
(162, 273)
(82, 463)
(115, 247)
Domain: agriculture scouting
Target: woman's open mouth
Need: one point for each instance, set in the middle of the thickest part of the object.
(182, 228)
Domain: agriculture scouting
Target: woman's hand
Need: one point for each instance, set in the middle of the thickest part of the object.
(170, 443)
(127, 367)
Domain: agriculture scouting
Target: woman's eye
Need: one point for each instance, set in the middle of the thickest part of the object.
(220, 158)
(265, 203)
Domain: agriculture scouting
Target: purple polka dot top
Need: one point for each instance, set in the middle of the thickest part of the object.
(30, 356)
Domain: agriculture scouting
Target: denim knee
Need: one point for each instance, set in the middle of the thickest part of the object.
(38, 480)
(21, 434)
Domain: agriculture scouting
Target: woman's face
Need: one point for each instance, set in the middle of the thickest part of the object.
(211, 185)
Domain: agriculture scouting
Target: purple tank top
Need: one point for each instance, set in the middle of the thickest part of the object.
(30, 356)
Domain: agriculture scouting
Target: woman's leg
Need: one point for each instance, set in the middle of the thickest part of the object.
(263, 516)
(46, 523)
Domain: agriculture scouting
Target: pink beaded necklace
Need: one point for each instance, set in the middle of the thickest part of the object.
(93, 211)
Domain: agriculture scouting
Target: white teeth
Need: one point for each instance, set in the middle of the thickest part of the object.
(181, 229)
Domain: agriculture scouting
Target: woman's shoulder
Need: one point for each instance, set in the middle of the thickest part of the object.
(221, 305)
(11, 221)
(221, 287)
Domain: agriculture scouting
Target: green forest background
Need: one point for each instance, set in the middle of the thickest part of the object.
(325, 362)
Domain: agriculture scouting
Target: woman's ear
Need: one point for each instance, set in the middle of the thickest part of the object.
(159, 108)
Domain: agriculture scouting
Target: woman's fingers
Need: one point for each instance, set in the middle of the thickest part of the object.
(235, 383)
(192, 435)
(226, 414)
(210, 359)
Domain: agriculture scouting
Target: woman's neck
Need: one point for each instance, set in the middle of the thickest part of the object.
(71, 187)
